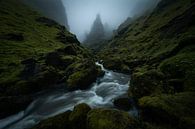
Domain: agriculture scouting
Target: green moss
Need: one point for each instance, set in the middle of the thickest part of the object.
(79, 115)
(176, 110)
(146, 83)
(181, 67)
(112, 119)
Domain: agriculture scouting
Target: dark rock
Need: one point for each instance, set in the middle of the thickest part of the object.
(123, 104)
(67, 38)
(116, 64)
(110, 119)
(72, 39)
(13, 104)
(57, 122)
(53, 59)
(46, 79)
(46, 21)
(70, 50)
(30, 68)
(28, 61)
(177, 85)
(146, 83)
(83, 76)
(59, 60)
(13, 37)
(78, 118)
(41, 81)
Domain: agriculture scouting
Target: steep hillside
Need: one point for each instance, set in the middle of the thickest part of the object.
(53, 9)
(36, 54)
(159, 51)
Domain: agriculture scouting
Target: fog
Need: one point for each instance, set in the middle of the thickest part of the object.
(82, 13)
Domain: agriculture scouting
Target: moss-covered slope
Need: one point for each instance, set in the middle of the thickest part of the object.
(159, 51)
(36, 53)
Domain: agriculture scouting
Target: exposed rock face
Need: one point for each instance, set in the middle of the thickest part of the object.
(97, 33)
(53, 9)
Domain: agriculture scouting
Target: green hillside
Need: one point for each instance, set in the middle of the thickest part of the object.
(159, 51)
(36, 53)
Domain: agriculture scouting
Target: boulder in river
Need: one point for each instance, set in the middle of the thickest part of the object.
(83, 117)
(123, 103)
(110, 119)
(78, 118)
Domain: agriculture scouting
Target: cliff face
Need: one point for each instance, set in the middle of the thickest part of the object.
(36, 53)
(97, 34)
(158, 49)
(53, 9)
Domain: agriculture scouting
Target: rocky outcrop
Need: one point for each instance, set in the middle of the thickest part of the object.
(96, 35)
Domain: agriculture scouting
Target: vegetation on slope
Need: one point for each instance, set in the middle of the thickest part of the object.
(36, 53)
(159, 51)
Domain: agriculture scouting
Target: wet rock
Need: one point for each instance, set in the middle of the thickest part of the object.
(79, 115)
(13, 104)
(123, 103)
(57, 122)
(110, 119)
(82, 75)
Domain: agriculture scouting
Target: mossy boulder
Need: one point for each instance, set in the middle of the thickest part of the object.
(146, 83)
(58, 122)
(116, 64)
(85, 73)
(180, 71)
(176, 110)
(123, 103)
(78, 118)
(110, 119)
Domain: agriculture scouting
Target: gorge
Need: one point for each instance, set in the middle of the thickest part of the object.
(141, 77)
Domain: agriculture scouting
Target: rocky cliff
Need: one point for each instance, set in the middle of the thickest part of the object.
(53, 9)
(96, 35)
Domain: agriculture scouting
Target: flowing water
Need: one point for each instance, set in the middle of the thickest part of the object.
(101, 94)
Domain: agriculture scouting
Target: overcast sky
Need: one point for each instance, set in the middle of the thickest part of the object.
(82, 13)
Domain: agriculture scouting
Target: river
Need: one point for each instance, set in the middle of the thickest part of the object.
(101, 94)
